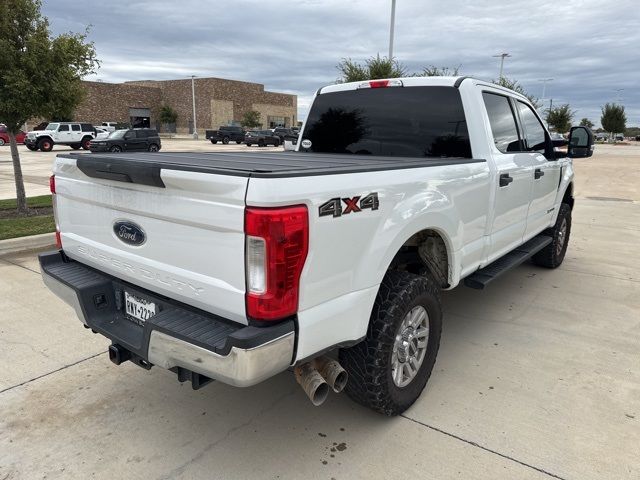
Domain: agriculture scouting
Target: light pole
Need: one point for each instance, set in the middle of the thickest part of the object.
(391, 28)
(502, 57)
(544, 86)
(193, 96)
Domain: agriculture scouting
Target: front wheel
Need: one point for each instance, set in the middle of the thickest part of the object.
(75, 146)
(553, 254)
(214, 141)
(389, 369)
(45, 145)
(225, 140)
(153, 147)
(276, 143)
(115, 149)
(31, 147)
(1, 142)
(238, 142)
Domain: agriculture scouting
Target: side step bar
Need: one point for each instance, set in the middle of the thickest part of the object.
(482, 277)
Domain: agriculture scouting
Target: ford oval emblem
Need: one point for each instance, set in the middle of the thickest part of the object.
(129, 232)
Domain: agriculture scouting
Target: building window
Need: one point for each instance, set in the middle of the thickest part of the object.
(274, 122)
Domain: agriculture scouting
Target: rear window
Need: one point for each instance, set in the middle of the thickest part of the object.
(394, 121)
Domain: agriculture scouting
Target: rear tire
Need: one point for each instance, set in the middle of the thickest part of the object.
(1, 142)
(31, 147)
(389, 369)
(248, 144)
(553, 254)
(75, 146)
(276, 143)
(238, 142)
(225, 140)
(86, 142)
(45, 145)
(261, 143)
(214, 141)
(115, 149)
(153, 147)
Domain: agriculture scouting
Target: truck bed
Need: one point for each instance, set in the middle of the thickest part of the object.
(144, 167)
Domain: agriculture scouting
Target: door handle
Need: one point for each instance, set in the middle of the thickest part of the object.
(505, 179)
(538, 173)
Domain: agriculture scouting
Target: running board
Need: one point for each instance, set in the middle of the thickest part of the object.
(480, 278)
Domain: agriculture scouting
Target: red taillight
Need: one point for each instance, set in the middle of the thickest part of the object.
(276, 248)
(58, 240)
(52, 183)
(379, 83)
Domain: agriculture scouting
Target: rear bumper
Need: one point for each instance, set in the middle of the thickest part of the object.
(178, 337)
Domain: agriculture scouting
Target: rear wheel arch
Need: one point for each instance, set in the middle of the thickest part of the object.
(425, 253)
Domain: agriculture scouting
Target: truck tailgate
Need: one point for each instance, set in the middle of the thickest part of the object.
(192, 223)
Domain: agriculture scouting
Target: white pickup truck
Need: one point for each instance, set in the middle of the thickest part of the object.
(328, 261)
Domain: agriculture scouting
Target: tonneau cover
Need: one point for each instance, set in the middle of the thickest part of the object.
(250, 164)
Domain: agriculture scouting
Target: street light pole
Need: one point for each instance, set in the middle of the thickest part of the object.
(544, 86)
(502, 57)
(193, 96)
(391, 29)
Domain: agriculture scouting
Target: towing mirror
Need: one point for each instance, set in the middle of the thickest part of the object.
(581, 142)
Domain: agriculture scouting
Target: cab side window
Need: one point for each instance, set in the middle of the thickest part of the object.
(535, 138)
(75, 128)
(503, 122)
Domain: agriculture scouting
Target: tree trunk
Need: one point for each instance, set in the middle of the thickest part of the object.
(21, 197)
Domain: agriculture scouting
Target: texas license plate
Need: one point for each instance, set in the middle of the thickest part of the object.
(138, 308)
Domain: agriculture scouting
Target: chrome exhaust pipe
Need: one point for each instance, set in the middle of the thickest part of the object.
(312, 383)
(332, 372)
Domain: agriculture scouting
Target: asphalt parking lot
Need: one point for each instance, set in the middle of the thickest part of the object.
(538, 377)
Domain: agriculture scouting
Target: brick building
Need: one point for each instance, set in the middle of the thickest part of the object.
(218, 102)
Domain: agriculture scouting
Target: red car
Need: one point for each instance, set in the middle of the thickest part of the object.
(4, 136)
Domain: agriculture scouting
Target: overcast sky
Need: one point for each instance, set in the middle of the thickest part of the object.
(590, 48)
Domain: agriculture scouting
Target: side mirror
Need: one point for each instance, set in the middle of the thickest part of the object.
(581, 142)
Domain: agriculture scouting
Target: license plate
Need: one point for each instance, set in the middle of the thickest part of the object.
(138, 308)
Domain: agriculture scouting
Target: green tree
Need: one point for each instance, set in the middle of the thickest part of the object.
(433, 71)
(613, 119)
(585, 122)
(40, 75)
(560, 117)
(168, 114)
(251, 119)
(373, 68)
(516, 87)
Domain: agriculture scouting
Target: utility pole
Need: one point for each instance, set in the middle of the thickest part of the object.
(193, 96)
(502, 57)
(391, 28)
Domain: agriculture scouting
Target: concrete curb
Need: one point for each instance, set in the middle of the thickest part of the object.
(23, 244)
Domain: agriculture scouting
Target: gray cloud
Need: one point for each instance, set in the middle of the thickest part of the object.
(589, 48)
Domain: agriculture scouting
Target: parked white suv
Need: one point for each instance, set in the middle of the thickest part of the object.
(75, 134)
(236, 266)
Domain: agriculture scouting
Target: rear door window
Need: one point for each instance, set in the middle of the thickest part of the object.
(503, 122)
(392, 121)
(75, 128)
(63, 128)
(534, 133)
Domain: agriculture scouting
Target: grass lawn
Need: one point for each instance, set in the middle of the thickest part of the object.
(14, 226)
(32, 202)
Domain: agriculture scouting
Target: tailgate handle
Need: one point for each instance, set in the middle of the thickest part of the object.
(118, 170)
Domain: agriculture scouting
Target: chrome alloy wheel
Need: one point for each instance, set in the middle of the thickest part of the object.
(410, 346)
(562, 237)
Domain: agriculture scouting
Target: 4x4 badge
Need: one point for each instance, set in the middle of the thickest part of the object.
(356, 204)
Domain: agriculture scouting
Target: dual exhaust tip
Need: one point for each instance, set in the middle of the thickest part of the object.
(320, 374)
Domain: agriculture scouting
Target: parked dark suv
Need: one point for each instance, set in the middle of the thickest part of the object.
(133, 139)
(262, 138)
